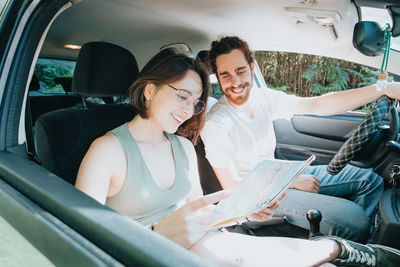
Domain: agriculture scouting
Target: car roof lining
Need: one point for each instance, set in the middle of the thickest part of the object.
(393, 6)
(197, 23)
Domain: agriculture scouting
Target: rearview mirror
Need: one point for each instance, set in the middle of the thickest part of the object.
(368, 38)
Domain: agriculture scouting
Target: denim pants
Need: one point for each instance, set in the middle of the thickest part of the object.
(346, 200)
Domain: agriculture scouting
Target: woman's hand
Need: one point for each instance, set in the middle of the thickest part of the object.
(265, 214)
(192, 221)
(307, 182)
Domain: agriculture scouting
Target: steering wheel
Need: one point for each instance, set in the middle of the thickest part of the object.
(369, 138)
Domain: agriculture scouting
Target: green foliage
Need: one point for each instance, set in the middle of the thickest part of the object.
(336, 78)
(216, 91)
(48, 69)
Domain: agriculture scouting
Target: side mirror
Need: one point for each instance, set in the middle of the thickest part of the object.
(368, 38)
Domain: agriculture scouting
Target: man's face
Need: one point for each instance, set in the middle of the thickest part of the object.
(235, 76)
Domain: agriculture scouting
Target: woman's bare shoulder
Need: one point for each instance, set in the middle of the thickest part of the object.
(107, 145)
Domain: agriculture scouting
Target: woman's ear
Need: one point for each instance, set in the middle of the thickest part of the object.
(149, 91)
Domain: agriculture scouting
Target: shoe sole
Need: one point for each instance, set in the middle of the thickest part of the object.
(392, 250)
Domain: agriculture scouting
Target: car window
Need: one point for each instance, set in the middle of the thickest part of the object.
(309, 75)
(48, 69)
(215, 88)
(4, 6)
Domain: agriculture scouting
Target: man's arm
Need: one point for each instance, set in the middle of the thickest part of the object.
(225, 178)
(338, 102)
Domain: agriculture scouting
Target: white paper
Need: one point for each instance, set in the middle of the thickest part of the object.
(259, 189)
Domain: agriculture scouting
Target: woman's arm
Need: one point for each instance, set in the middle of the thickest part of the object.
(100, 164)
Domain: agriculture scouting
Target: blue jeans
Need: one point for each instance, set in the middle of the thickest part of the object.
(340, 217)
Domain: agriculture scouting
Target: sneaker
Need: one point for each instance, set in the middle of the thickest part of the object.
(355, 254)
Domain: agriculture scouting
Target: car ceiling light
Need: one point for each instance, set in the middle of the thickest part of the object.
(318, 16)
(324, 20)
(72, 46)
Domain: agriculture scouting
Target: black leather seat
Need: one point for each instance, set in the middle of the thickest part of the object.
(203, 56)
(65, 82)
(208, 180)
(41, 104)
(63, 136)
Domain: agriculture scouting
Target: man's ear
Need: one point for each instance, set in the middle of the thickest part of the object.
(252, 67)
(149, 91)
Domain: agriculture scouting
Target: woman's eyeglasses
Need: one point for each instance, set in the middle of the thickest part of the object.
(184, 97)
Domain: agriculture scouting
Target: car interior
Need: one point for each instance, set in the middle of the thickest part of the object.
(102, 70)
(43, 137)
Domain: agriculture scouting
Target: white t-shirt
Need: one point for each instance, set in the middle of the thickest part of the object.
(233, 140)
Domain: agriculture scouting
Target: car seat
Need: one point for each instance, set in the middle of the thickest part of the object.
(41, 104)
(65, 82)
(63, 136)
(208, 180)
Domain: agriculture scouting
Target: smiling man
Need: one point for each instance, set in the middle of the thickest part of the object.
(239, 133)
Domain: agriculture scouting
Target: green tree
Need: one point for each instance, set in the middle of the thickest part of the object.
(48, 69)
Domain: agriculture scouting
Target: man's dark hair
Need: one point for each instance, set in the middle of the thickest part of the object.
(225, 45)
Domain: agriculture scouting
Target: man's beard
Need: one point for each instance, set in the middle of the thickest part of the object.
(238, 99)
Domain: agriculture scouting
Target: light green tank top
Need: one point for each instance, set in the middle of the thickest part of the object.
(141, 198)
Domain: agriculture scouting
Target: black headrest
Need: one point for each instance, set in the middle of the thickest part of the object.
(34, 85)
(66, 82)
(203, 56)
(104, 69)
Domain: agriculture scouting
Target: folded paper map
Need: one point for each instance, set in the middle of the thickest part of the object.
(259, 189)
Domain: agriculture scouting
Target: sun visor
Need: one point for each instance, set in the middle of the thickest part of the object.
(368, 38)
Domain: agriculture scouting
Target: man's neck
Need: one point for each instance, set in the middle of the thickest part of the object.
(246, 109)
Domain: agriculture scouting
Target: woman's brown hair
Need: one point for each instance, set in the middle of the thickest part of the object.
(164, 68)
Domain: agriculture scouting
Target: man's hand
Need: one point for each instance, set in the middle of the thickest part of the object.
(191, 222)
(393, 90)
(307, 182)
(265, 214)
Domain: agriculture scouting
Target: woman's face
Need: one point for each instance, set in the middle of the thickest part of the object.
(172, 104)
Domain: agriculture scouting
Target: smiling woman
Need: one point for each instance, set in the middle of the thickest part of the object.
(141, 168)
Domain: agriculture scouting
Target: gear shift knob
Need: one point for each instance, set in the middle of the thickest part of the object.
(314, 217)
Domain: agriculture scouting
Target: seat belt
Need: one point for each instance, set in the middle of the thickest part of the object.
(29, 132)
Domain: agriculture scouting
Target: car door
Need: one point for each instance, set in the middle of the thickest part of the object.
(322, 136)
(44, 220)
